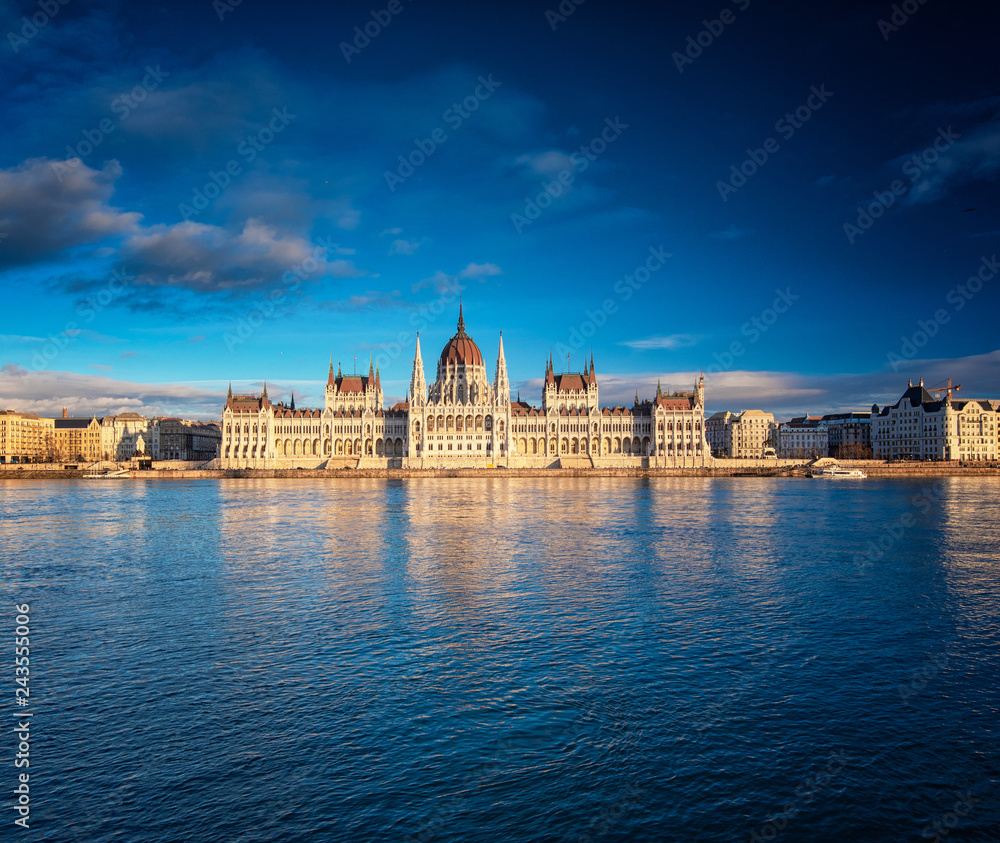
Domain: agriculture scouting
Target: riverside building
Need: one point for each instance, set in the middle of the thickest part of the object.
(921, 427)
(464, 420)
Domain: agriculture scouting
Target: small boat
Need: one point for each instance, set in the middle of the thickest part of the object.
(106, 475)
(842, 473)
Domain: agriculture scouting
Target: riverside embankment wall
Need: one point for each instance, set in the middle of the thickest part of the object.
(722, 468)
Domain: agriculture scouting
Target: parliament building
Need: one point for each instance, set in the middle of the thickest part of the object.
(464, 421)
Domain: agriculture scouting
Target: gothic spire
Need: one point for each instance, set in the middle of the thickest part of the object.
(501, 383)
(418, 386)
(461, 320)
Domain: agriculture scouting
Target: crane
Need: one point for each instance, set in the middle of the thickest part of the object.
(947, 388)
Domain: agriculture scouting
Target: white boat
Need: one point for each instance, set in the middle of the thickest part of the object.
(106, 475)
(837, 472)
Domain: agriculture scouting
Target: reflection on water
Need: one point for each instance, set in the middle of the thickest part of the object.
(508, 658)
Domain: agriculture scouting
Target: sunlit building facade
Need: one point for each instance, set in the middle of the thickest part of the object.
(921, 427)
(463, 420)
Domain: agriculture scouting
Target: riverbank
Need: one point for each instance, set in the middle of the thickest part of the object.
(871, 468)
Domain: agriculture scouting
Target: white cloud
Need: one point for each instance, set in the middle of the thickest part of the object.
(48, 206)
(442, 282)
(973, 157)
(668, 342)
(548, 163)
(210, 258)
(47, 392)
(403, 247)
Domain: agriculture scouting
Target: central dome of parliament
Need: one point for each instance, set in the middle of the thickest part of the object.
(461, 348)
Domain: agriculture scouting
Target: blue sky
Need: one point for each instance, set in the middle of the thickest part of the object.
(791, 198)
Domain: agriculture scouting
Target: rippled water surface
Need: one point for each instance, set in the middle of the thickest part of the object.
(511, 659)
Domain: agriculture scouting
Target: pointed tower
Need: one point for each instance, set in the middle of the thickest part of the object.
(593, 399)
(292, 407)
(329, 377)
(501, 383)
(549, 388)
(264, 402)
(418, 386)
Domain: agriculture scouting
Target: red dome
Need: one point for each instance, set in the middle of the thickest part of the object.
(461, 348)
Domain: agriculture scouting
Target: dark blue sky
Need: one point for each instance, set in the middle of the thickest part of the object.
(799, 194)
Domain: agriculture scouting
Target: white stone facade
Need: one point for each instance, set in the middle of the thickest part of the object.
(464, 420)
(921, 427)
(803, 438)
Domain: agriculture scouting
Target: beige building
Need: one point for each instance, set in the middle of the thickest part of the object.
(77, 439)
(747, 435)
(921, 427)
(464, 420)
(752, 434)
(122, 436)
(718, 430)
(25, 437)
